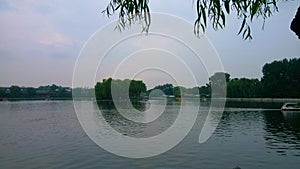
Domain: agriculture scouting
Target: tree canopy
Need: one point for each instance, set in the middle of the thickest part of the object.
(43, 92)
(282, 78)
(103, 90)
(167, 89)
(215, 11)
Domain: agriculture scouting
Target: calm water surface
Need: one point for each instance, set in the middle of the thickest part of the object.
(47, 134)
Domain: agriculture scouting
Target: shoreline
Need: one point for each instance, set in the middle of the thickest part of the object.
(259, 100)
(263, 100)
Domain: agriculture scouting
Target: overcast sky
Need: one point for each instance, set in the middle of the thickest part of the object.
(41, 39)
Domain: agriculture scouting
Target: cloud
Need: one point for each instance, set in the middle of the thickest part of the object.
(29, 31)
(55, 39)
(47, 32)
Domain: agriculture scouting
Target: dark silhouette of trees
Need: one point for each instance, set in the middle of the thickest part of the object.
(30, 92)
(244, 88)
(168, 89)
(15, 91)
(103, 89)
(43, 92)
(136, 88)
(177, 91)
(281, 78)
(205, 91)
(295, 25)
(215, 11)
(2, 92)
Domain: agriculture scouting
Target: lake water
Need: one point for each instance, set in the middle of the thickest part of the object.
(47, 134)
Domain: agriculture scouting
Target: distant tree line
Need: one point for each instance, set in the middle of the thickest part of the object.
(281, 79)
(103, 89)
(42, 92)
(167, 90)
(170, 90)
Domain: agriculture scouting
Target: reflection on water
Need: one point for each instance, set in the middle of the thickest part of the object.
(292, 118)
(135, 129)
(252, 104)
(47, 134)
(109, 104)
(283, 132)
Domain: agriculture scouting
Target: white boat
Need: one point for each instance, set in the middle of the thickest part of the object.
(291, 107)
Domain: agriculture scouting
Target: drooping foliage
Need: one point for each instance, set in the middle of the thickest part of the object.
(215, 11)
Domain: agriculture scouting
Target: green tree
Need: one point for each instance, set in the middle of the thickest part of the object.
(53, 87)
(244, 88)
(63, 93)
(205, 90)
(15, 91)
(216, 11)
(2, 92)
(30, 92)
(177, 91)
(103, 89)
(281, 78)
(166, 88)
(136, 88)
(293, 78)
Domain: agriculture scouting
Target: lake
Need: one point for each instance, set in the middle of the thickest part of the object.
(47, 134)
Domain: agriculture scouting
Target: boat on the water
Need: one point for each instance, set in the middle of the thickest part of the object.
(291, 107)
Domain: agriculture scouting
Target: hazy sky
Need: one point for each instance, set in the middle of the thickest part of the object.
(41, 39)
